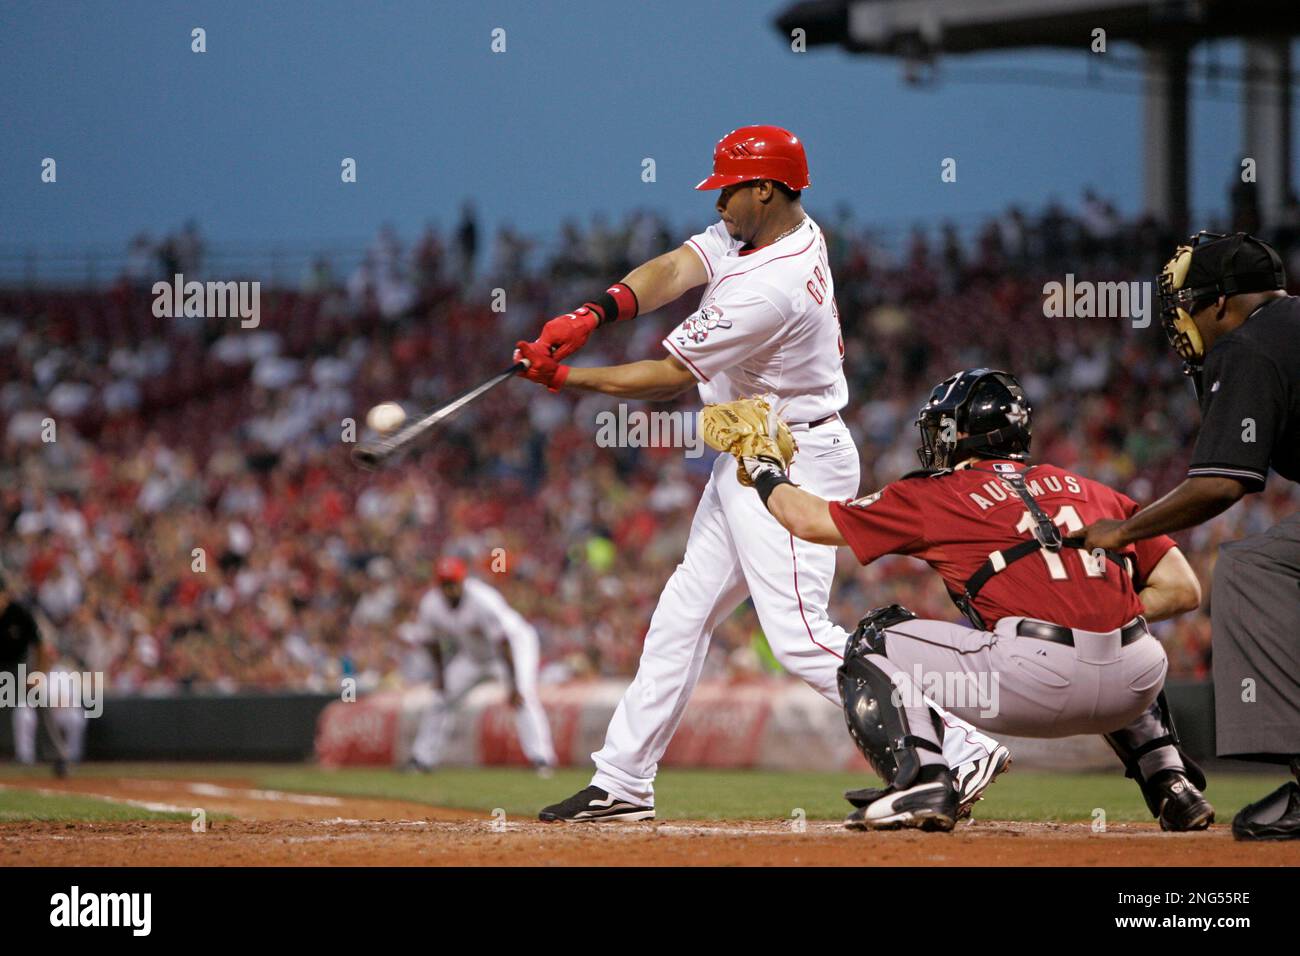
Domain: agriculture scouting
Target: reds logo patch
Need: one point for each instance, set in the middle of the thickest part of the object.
(698, 326)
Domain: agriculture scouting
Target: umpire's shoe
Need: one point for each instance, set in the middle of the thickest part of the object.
(594, 805)
(930, 803)
(1276, 817)
(1182, 806)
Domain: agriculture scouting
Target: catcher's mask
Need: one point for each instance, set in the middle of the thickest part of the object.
(987, 405)
(1207, 266)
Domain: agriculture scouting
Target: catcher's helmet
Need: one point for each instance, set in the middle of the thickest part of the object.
(1206, 266)
(988, 407)
(758, 152)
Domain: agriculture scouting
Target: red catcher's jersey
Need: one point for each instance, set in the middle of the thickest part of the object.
(953, 521)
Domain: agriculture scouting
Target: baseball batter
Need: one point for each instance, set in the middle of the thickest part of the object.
(767, 323)
(491, 640)
(1059, 644)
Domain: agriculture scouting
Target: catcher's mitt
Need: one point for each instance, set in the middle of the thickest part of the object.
(747, 428)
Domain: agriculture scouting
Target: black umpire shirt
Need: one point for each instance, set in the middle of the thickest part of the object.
(18, 634)
(1250, 401)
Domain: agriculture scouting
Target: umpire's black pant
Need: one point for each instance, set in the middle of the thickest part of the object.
(1255, 604)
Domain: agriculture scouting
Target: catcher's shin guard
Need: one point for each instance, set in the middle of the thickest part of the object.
(877, 724)
(1130, 745)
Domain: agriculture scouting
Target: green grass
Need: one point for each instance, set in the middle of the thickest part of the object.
(681, 794)
(21, 805)
(146, 771)
(732, 794)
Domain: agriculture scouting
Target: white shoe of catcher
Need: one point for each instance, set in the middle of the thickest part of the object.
(970, 780)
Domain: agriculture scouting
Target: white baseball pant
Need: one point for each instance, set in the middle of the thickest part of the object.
(463, 673)
(70, 721)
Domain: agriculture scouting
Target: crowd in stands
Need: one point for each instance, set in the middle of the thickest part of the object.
(180, 502)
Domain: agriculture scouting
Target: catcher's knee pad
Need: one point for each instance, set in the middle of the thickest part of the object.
(877, 724)
(1130, 745)
(869, 638)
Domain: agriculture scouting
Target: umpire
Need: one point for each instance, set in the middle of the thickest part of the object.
(1224, 307)
(20, 645)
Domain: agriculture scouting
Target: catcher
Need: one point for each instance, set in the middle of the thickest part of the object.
(1060, 632)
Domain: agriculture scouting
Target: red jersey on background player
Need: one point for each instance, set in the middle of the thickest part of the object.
(1058, 632)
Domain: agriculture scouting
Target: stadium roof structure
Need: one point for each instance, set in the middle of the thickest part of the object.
(923, 30)
(916, 27)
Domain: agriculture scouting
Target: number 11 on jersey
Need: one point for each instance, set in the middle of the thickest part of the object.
(1068, 520)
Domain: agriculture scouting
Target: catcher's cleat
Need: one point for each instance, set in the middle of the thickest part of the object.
(1276, 817)
(1182, 806)
(928, 804)
(970, 780)
(594, 805)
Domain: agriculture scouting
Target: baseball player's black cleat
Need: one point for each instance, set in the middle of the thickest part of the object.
(1276, 817)
(1182, 806)
(928, 804)
(60, 768)
(970, 779)
(594, 805)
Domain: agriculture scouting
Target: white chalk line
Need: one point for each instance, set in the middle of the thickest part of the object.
(272, 796)
(151, 805)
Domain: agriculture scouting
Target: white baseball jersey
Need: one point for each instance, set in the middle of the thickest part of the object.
(767, 324)
(477, 625)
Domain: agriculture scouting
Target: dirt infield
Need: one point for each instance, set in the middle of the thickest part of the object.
(275, 828)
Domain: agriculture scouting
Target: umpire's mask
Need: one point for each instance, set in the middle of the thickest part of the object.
(1207, 266)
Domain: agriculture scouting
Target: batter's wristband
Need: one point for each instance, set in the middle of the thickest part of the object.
(616, 302)
(559, 378)
(767, 482)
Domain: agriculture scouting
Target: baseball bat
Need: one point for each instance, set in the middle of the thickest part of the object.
(372, 454)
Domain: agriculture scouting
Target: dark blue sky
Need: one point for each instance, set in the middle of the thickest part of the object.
(248, 137)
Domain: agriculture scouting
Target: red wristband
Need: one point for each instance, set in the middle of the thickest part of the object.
(625, 299)
(616, 302)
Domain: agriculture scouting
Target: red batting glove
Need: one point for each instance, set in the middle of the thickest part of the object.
(542, 367)
(565, 334)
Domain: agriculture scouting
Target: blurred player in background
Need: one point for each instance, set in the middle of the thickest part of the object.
(65, 725)
(22, 645)
(767, 323)
(490, 640)
(1057, 643)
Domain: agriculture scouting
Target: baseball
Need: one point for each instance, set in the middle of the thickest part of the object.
(386, 417)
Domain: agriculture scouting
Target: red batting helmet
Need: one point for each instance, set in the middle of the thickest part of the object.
(450, 570)
(758, 152)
